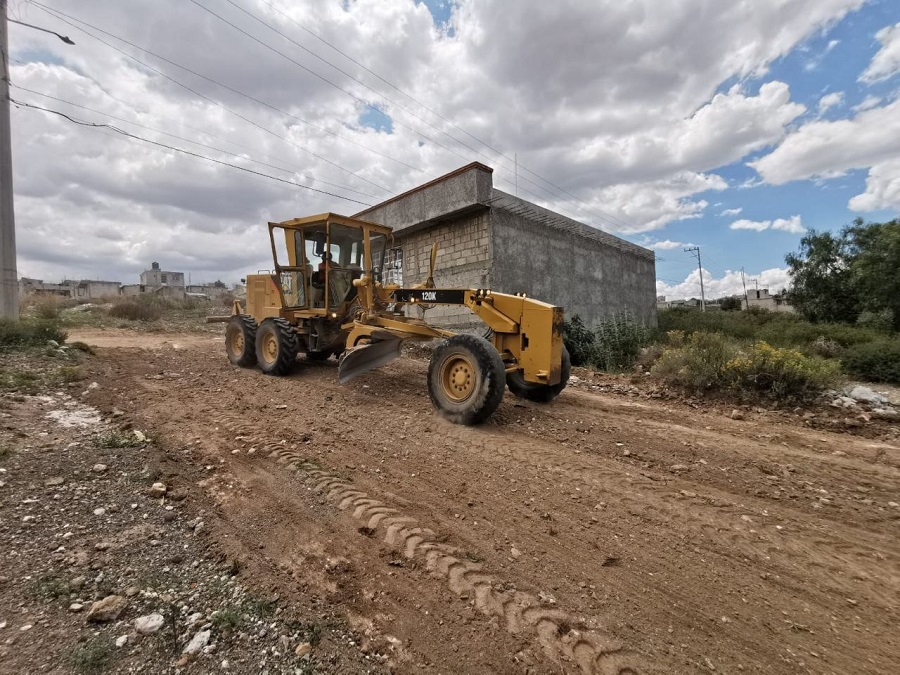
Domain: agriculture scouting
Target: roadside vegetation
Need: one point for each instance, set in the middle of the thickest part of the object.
(34, 356)
(147, 312)
(846, 291)
(747, 355)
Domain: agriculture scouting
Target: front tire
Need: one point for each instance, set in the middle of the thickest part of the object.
(465, 379)
(541, 393)
(240, 340)
(277, 345)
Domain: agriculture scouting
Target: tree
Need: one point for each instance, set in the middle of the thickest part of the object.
(875, 266)
(733, 303)
(822, 279)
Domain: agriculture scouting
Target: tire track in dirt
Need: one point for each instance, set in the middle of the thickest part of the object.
(593, 652)
(839, 556)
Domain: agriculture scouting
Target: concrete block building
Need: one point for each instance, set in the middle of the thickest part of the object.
(490, 239)
(155, 278)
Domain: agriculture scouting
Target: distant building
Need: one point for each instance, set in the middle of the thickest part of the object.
(85, 289)
(157, 278)
(762, 299)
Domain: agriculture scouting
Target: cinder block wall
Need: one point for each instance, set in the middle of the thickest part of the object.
(489, 239)
(563, 262)
(463, 261)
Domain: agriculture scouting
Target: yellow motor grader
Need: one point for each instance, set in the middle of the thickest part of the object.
(330, 295)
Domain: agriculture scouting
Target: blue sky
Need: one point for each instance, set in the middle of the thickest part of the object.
(828, 62)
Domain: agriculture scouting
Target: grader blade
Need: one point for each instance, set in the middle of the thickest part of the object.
(360, 360)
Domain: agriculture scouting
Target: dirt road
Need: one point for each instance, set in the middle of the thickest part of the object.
(599, 534)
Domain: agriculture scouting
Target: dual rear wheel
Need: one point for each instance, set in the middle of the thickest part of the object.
(273, 344)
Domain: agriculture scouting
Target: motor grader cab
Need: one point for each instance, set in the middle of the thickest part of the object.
(329, 295)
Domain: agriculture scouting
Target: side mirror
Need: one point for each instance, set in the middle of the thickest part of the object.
(320, 240)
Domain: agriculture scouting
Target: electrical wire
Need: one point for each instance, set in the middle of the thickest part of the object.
(356, 98)
(188, 140)
(58, 14)
(235, 91)
(606, 217)
(128, 134)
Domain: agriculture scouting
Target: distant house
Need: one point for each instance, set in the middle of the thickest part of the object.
(775, 303)
(157, 278)
(662, 303)
(86, 289)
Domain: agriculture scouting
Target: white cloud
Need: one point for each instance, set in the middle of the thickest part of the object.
(823, 149)
(792, 225)
(665, 245)
(886, 62)
(867, 103)
(882, 188)
(731, 283)
(830, 100)
(616, 102)
(732, 212)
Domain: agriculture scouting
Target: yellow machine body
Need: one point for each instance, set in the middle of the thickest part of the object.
(330, 284)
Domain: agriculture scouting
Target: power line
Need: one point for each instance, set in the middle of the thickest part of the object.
(187, 140)
(58, 14)
(128, 134)
(369, 105)
(608, 217)
(229, 88)
(321, 77)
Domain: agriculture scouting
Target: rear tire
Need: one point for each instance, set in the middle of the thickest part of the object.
(240, 340)
(541, 393)
(465, 379)
(277, 344)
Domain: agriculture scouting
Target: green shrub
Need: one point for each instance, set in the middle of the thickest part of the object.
(822, 346)
(874, 361)
(135, 311)
(781, 374)
(47, 307)
(579, 340)
(776, 328)
(618, 342)
(712, 362)
(698, 364)
(29, 333)
(94, 656)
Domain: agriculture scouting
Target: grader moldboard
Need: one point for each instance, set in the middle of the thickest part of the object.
(348, 306)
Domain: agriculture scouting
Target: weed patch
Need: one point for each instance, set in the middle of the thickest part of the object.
(94, 656)
(135, 311)
(875, 361)
(227, 619)
(119, 439)
(19, 335)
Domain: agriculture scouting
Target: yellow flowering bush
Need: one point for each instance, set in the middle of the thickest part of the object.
(779, 373)
(712, 362)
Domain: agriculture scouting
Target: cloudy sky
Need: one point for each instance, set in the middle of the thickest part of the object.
(732, 126)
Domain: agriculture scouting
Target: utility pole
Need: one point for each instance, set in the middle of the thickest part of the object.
(696, 251)
(745, 303)
(9, 278)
